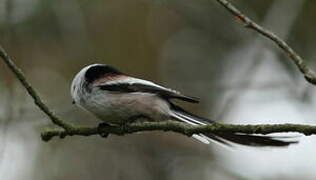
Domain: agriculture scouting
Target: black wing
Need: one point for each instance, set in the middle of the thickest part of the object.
(139, 87)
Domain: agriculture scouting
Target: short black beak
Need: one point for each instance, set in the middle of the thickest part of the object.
(73, 102)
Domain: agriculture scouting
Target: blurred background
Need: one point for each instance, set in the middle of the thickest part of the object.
(196, 47)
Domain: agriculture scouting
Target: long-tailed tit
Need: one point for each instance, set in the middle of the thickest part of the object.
(116, 98)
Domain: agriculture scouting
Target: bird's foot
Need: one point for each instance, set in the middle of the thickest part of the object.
(101, 128)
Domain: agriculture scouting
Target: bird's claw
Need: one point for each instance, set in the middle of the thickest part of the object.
(101, 128)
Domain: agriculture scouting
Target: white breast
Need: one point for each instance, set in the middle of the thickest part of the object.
(117, 108)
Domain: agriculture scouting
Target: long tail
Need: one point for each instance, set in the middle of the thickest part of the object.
(226, 138)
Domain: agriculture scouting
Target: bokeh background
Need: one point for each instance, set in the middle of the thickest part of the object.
(196, 47)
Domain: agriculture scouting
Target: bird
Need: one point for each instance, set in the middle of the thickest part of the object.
(117, 98)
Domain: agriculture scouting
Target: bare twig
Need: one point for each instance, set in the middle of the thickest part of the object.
(37, 100)
(308, 73)
(181, 128)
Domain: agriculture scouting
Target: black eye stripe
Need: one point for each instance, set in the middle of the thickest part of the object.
(97, 71)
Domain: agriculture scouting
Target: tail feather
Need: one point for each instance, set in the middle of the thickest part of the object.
(254, 140)
(226, 138)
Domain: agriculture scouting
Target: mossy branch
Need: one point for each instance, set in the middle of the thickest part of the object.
(181, 128)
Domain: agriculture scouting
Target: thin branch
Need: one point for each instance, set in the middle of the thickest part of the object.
(308, 73)
(37, 100)
(181, 128)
